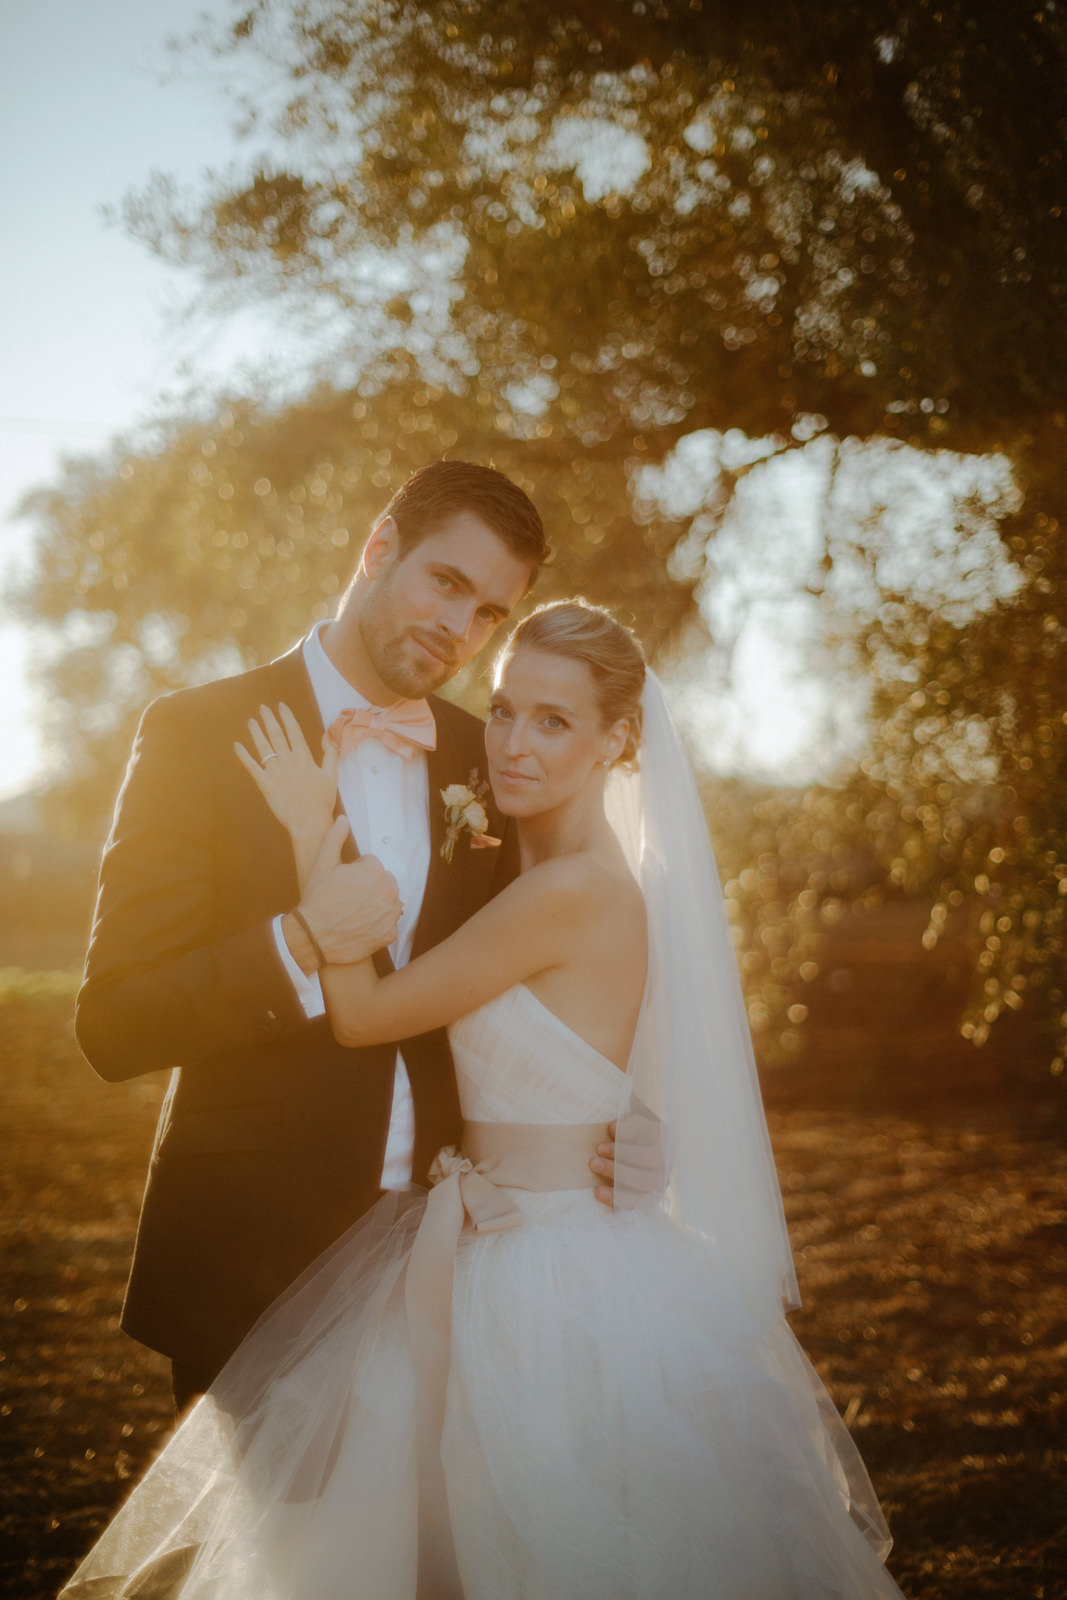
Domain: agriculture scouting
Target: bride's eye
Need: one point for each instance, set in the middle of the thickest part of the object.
(498, 713)
(555, 724)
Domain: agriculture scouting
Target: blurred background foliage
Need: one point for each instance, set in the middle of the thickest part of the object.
(662, 263)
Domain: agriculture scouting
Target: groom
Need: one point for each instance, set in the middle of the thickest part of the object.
(274, 1138)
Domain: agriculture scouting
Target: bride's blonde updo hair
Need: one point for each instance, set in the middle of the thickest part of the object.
(616, 662)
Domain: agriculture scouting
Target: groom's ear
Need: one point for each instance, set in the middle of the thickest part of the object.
(382, 549)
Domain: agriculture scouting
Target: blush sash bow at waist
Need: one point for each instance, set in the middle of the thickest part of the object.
(539, 1157)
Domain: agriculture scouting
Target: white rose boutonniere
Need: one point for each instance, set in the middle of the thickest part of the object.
(465, 813)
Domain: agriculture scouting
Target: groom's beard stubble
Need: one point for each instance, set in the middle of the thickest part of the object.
(397, 655)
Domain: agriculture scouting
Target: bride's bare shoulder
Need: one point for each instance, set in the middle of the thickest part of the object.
(585, 882)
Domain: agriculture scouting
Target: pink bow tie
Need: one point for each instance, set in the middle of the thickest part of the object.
(403, 727)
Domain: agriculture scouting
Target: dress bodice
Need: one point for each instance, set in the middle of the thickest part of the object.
(516, 1061)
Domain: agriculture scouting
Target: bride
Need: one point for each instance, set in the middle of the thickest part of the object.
(504, 1390)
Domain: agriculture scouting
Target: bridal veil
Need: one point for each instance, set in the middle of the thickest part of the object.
(692, 1064)
(691, 1102)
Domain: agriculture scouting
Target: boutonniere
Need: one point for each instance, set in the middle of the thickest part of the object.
(465, 813)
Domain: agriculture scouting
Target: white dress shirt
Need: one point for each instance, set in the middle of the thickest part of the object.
(386, 798)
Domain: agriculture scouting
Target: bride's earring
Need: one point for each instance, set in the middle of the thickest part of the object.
(606, 761)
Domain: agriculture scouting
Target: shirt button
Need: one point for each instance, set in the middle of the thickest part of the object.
(385, 838)
(374, 770)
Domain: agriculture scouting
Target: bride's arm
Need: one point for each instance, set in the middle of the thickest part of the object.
(538, 922)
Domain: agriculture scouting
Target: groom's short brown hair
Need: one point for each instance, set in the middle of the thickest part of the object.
(444, 488)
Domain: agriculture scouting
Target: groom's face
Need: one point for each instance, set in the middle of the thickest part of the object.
(426, 612)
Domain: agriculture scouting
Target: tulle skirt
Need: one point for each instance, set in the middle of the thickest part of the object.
(616, 1429)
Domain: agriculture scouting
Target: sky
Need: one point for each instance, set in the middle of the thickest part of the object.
(89, 338)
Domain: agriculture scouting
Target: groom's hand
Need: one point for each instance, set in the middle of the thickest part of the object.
(631, 1163)
(351, 907)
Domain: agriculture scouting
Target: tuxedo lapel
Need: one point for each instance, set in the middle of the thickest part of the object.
(442, 768)
(259, 856)
(293, 685)
(456, 888)
(290, 682)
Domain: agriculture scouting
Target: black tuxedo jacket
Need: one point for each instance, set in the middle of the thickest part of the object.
(272, 1135)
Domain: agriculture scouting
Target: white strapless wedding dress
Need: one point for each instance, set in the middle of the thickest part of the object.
(615, 1427)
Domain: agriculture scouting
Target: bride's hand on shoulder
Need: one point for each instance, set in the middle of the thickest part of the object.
(299, 791)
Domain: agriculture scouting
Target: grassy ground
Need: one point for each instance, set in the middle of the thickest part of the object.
(929, 1217)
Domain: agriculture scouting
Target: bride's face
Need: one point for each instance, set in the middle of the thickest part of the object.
(545, 740)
